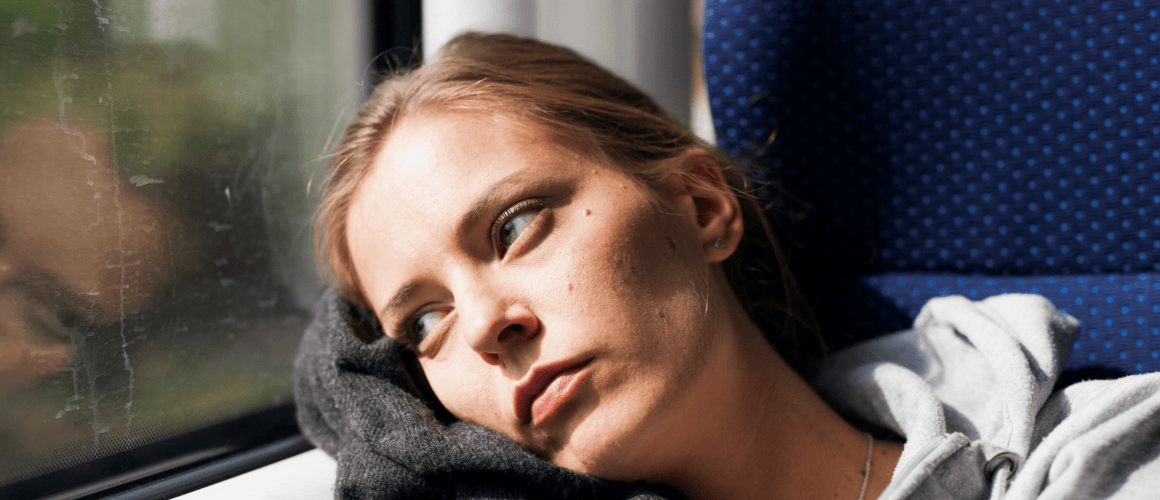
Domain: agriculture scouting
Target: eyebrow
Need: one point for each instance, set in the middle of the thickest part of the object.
(470, 218)
(479, 208)
(400, 298)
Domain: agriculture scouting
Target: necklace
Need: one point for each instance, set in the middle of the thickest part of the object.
(866, 470)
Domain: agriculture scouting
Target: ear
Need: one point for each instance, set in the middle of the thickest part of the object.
(704, 196)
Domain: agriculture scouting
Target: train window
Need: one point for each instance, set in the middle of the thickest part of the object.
(158, 160)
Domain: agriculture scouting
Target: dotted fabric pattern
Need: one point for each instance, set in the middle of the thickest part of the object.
(1121, 322)
(964, 141)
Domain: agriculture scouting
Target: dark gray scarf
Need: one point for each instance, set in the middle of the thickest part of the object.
(363, 400)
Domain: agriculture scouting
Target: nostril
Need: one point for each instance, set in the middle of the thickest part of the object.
(491, 358)
(510, 331)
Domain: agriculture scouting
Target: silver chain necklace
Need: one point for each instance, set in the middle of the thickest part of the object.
(866, 469)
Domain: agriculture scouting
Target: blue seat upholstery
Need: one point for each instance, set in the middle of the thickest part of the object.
(957, 147)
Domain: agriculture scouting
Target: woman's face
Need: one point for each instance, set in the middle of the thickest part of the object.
(548, 295)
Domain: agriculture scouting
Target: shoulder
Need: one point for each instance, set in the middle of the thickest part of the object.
(983, 368)
(984, 371)
(1097, 439)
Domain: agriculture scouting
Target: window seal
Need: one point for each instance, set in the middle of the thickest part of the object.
(175, 465)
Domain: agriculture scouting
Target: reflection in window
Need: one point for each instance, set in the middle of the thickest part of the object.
(156, 162)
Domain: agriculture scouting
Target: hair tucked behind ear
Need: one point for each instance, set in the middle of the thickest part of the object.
(588, 109)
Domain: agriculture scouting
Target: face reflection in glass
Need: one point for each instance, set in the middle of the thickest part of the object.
(76, 245)
(549, 295)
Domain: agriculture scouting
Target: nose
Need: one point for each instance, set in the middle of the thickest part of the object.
(496, 329)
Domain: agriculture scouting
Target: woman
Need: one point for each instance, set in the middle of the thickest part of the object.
(530, 253)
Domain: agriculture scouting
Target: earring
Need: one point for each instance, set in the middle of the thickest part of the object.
(719, 244)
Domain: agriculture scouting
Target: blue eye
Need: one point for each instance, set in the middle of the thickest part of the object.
(425, 324)
(509, 225)
(514, 227)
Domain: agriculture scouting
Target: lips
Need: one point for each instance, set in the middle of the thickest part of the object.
(35, 342)
(545, 389)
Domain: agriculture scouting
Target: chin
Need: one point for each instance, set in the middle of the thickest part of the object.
(610, 443)
(598, 459)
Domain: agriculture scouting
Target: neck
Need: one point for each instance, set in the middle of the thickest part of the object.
(763, 432)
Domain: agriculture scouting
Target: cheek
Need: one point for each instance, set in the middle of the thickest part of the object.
(653, 275)
(662, 261)
(460, 383)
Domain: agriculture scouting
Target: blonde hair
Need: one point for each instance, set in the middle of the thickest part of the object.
(589, 109)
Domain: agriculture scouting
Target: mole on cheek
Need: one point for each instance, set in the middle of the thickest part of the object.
(587, 212)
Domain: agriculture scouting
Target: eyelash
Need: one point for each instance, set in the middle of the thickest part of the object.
(405, 333)
(407, 336)
(509, 214)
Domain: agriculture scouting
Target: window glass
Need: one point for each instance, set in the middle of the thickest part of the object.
(158, 161)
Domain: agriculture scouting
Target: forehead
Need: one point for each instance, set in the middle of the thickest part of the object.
(434, 162)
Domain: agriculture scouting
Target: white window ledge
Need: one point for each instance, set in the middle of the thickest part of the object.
(309, 475)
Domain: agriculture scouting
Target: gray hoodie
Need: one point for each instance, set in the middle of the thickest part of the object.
(970, 390)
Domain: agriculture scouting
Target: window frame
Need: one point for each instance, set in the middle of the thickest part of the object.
(198, 458)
